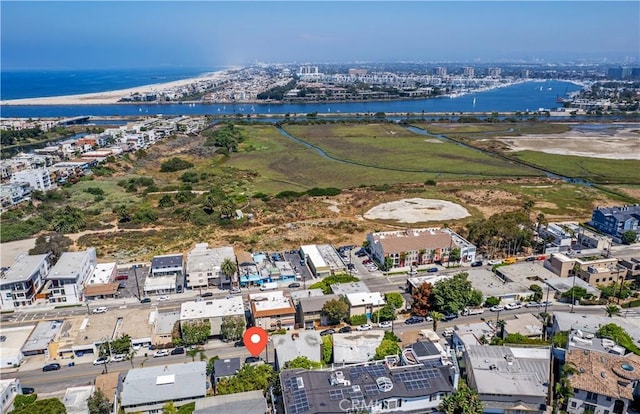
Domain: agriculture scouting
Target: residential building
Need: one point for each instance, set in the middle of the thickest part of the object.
(365, 303)
(20, 284)
(344, 289)
(309, 311)
(13, 194)
(167, 271)
(525, 324)
(417, 281)
(510, 378)
(213, 310)
(632, 265)
(224, 368)
(204, 266)
(75, 399)
(9, 389)
(146, 390)
(593, 270)
(250, 402)
(298, 344)
(615, 221)
(417, 247)
(356, 347)
(465, 335)
(430, 353)
(590, 324)
(375, 387)
(602, 382)
(101, 283)
(38, 179)
(65, 281)
(163, 327)
(272, 310)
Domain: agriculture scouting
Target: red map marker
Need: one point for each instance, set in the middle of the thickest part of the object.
(255, 339)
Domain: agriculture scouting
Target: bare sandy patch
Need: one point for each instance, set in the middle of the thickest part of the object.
(611, 143)
(416, 210)
(333, 205)
(9, 251)
(433, 141)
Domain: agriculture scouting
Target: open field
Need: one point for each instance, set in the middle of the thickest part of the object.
(268, 163)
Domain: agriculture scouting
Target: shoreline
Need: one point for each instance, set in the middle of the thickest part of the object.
(113, 97)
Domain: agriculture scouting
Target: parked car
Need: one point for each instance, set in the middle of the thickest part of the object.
(179, 289)
(163, 298)
(294, 285)
(449, 317)
(122, 277)
(239, 343)
(365, 327)
(118, 358)
(496, 308)
(345, 329)
(51, 367)
(432, 269)
(477, 263)
(494, 262)
(101, 360)
(513, 305)
(385, 324)
(327, 332)
(531, 305)
(161, 353)
(235, 291)
(448, 332)
(101, 309)
(145, 300)
(414, 319)
(28, 390)
(546, 303)
(177, 351)
(252, 359)
(530, 259)
(206, 295)
(412, 272)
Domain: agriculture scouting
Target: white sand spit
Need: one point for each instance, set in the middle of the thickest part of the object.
(417, 210)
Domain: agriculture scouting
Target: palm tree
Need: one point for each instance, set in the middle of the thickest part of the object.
(501, 324)
(68, 220)
(436, 316)
(193, 352)
(229, 268)
(612, 310)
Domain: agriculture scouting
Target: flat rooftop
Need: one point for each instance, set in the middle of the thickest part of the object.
(491, 285)
(212, 308)
(347, 288)
(16, 337)
(69, 265)
(44, 333)
(23, 268)
(92, 329)
(101, 274)
(356, 347)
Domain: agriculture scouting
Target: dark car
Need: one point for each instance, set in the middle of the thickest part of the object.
(449, 316)
(145, 300)
(51, 367)
(177, 351)
(122, 285)
(432, 269)
(477, 263)
(327, 332)
(239, 343)
(414, 319)
(27, 390)
(179, 289)
(206, 295)
(530, 259)
(294, 285)
(345, 329)
(252, 359)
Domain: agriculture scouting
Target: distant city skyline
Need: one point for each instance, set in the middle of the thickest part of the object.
(121, 34)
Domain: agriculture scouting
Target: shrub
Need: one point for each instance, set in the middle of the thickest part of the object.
(175, 164)
(358, 319)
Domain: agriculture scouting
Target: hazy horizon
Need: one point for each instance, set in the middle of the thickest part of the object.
(93, 35)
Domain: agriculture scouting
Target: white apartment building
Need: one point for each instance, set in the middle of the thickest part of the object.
(204, 265)
(22, 281)
(38, 178)
(65, 282)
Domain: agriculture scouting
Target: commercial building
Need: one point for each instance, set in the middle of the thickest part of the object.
(375, 387)
(65, 281)
(593, 270)
(510, 378)
(615, 221)
(323, 260)
(20, 284)
(212, 310)
(603, 382)
(40, 338)
(167, 271)
(204, 266)
(417, 247)
(101, 284)
(11, 342)
(146, 390)
(272, 310)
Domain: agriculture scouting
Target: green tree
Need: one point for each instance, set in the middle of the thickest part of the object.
(463, 401)
(232, 327)
(68, 220)
(249, 378)
(422, 297)
(98, 403)
(211, 364)
(629, 237)
(454, 256)
(121, 345)
(336, 310)
(612, 310)
(302, 362)
(46, 406)
(175, 164)
(22, 401)
(537, 293)
(454, 294)
(492, 301)
(394, 299)
(436, 317)
(575, 293)
(386, 347)
(501, 324)
(327, 349)
(325, 284)
(229, 269)
(386, 313)
(169, 408)
(52, 243)
(166, 201)
(195, 332)
(619, 335)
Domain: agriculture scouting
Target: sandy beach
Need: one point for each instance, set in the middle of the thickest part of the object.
(112, 97)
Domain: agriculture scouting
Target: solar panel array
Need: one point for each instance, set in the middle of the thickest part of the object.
(373, 370)
(371, 390)
(336, 395)
(300, 403)
(418, 380)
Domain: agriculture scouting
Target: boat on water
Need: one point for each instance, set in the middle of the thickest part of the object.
(474, 101)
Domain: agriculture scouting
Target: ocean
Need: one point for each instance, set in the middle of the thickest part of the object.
(521, 97)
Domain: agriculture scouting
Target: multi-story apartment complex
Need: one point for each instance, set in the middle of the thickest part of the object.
(204, 265)
(20, 284)
(167, 271)
(615, 221)
(38, 178)
(65, 282)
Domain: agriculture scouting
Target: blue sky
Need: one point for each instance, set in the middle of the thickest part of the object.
(124, 34)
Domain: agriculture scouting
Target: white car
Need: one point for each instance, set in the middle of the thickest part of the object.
(101, 360)
(365, 327)
(101, 309)
(118, 358)
(385, 324)
(163, 298)
(161, 353)
(494, 262)
(513, 305)
(496, 308)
